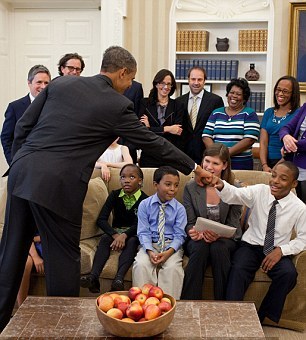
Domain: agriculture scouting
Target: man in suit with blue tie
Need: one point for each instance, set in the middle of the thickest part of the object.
(38, 78)
(205, 103)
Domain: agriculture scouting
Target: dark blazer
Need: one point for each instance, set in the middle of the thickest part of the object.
(194, 201)
(12, 114)
(293, 129)
(62, 134)
(192, 138)
(173, 115)
(135, 94)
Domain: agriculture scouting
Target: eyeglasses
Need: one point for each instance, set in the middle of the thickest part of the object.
(162, 85)
(284, 91)
(72, 68)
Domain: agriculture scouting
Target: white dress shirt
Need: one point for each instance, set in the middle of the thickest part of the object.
(290, 214)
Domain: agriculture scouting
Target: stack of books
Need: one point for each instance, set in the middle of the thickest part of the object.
(192, 40)
(215, 69)
(257, 101)
(253, 40)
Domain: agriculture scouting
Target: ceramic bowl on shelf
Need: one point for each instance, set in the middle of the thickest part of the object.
(136, 329)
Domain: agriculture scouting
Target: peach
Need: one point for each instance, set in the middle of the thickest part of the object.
(106, 302)
(123, 306)
(145, 288)
(164, 306)
(134, 311)
(166, 299)
(156, 292)
(125, 298)
(114, 295)
(152, 301)
(152, 312)
(115, 313)
(133, 292)
(142, 319)
(117, 299)
(141, 298)
(127, 320)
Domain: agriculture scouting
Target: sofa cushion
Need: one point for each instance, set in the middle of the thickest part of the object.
(88, 249)
(93, 203)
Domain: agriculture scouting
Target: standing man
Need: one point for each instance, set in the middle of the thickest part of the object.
(198, 105)
(71, 64)
(135, 94)
(38, 78)
(57, 142)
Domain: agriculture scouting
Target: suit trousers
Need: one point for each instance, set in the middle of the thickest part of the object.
(126, 257)
(60, 243)
(200, 253)
(169, 276)
(246, 261)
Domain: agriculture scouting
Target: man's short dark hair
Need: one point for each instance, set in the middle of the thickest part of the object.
(37, 69)
(116, 58)
(63, 61)
(162, 171)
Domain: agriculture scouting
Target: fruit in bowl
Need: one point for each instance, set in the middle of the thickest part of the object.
(139, 316)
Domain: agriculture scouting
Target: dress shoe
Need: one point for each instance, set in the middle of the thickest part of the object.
(90, 282)
(117, 285)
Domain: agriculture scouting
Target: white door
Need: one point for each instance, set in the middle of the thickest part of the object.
(43, 36)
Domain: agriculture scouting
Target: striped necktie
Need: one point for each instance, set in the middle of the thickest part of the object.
(269, 239)
(194, 112)
(161, 227)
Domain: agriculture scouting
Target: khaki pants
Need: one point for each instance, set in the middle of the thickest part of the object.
(169, 277)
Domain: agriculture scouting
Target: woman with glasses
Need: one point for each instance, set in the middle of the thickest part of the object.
(162, 115)
(236, 125)
(286, 105)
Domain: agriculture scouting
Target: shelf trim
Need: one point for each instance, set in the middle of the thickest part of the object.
(260, 82)
(221, 52)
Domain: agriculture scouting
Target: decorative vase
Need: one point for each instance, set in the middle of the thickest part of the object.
(252, 74)
(222, 44)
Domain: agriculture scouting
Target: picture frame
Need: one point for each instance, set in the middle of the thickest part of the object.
(297, 43)
(185, 88)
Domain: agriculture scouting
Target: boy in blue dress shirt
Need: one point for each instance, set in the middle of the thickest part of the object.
(161, 232)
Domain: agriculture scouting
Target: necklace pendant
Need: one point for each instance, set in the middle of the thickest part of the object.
(279, 121)
(229, 119)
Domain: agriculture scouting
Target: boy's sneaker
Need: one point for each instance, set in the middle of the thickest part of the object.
(90, 282)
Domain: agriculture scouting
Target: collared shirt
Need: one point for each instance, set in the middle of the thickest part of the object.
(130, 200)
(176, 220)
(290, 214)
(199, 100)
(31, 97)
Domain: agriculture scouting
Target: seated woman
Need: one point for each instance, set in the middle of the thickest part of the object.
(162, 115)
(208, 246)
(115, 156)
(236, 125)
(121, 236)
(286, 105)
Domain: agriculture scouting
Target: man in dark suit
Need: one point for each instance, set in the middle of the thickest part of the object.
(135, 94)
(206, 102)
(38, 78)
(57, 142)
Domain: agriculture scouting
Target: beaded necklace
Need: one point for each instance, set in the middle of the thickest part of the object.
(276, 119)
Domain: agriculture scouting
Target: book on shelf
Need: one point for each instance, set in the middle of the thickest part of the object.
(192, 40)
(252, 40)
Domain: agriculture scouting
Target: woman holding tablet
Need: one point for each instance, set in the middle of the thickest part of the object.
(207, 246)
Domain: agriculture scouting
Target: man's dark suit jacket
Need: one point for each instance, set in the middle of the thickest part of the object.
(12, 114)
(135, 94)
(62, 134)
(192, 138)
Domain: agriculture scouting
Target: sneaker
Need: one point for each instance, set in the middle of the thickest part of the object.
(117, 285)
(91, 283)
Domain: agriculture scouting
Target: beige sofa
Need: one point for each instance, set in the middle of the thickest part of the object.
(294, 313)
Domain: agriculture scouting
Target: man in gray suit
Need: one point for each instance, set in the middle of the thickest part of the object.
(57, 142)
(206, 102)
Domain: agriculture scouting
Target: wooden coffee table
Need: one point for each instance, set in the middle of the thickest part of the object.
(49, 317)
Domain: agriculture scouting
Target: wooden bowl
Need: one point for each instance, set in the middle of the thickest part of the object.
(136, 329)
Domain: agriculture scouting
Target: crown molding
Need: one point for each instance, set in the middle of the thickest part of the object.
(54, 4)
